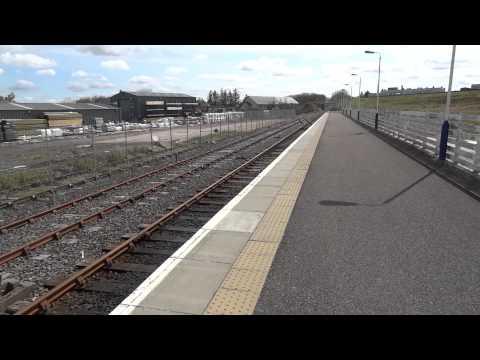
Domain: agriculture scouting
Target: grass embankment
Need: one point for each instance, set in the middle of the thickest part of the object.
(465, 102)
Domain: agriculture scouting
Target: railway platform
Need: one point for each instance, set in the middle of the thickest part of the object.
(221, 269)
(340, 223)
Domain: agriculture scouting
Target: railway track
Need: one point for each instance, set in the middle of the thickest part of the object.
(139, 161)
(218, 163)
(37, 230)
(23, 209)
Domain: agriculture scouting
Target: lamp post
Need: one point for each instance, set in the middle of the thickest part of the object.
(449, 93)
(378, 82)
(359, 88)
(443, 139)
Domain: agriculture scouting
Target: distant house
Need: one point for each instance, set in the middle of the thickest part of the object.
(267, 102)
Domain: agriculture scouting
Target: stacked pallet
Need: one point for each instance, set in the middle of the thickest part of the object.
(28, 126)
(63, 119)
(7, 131)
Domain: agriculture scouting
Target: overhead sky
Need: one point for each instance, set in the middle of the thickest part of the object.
(61, 72)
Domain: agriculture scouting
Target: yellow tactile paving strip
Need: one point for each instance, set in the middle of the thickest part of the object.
(240, 290)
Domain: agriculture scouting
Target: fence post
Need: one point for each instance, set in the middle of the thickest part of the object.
(442, 154)
(376, 121)
(200, 140)
(476, 156)
(458, 143)
(94, 154)
(171, 140)
(126, 144)
(151, 138)
(186, 121)
(358, 115)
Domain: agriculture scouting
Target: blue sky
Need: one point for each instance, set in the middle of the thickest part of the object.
(61, 72)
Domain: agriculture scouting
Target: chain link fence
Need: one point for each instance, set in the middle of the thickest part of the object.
(57, 157)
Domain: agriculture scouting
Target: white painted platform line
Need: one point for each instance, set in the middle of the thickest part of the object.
(129, 304)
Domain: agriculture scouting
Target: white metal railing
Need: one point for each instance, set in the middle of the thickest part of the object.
(423, 129)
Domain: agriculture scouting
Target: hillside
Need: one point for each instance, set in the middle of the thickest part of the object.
(467, 102)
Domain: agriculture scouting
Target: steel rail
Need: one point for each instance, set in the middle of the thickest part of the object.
(30, 197)
(92, 178)
(90, 196)
(79, 278)
(25, 249)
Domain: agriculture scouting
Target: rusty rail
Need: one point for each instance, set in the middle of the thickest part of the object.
(70, 203)
(58, 233)
(79, 278)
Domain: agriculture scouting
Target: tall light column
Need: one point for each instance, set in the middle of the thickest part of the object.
(378, 82)
(449, 93)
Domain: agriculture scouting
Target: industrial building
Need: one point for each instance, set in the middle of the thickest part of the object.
(139, 106)
(87, 112)
(267, 102)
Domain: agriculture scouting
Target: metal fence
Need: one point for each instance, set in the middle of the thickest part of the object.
(423, 131)
(50, 161)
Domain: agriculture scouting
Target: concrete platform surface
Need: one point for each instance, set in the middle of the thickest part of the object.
(222, 267)
(374, 232)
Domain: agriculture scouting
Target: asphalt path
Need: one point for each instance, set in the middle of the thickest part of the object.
(374, 232)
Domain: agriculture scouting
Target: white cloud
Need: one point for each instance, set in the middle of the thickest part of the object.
(77, 86)
(275, 66)
(47, 72)
(200, 57)
(2, 71)
(175, 70)
(88, 81)
(115, 64)
(145, 82)
(141, 79)
(23, 85)
(12, 48)
(80, 73)
(225, 77)
(112, 50)
(27, 60)
(101, 85)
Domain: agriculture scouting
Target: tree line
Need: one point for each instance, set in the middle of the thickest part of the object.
(94, 100)
(8, 98)
(224, 98)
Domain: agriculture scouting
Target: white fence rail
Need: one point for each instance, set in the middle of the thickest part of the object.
(423, 130)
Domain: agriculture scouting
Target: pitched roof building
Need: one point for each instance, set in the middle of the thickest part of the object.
(267, 102)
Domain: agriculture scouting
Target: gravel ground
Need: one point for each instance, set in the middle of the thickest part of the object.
(47, 199)
(67, 158)
(58, 258)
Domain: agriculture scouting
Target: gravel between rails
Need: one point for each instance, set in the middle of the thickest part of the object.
(58, 258)
(47, 200)
(84, 302)
(28, 232)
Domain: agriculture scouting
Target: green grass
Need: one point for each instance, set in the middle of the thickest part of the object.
(466, 102)
(22, 178)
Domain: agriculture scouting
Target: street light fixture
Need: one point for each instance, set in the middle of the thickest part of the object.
(378, 82)
(359, 89)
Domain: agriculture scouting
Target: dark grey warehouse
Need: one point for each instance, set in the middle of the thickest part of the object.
(139, 106)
